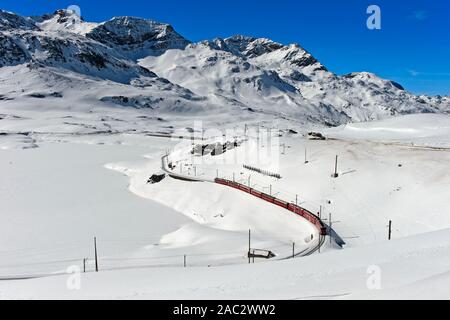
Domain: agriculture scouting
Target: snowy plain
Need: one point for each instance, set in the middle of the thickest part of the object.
(87, 111)
(144, 230)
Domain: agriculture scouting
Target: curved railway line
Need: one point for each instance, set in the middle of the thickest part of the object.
(322, 229)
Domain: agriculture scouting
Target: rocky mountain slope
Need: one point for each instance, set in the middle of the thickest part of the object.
(147, 64)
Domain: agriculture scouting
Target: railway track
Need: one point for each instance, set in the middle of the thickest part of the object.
(307, 215)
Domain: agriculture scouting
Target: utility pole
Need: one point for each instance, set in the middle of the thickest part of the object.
(95, 252)
(293, 250)
(390, 230)
(335, 175)
(249, 244)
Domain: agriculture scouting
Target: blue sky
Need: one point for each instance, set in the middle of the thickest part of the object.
(412, 47)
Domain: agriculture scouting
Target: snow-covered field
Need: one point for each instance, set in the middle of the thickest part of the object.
(90, 111)
(65, 189)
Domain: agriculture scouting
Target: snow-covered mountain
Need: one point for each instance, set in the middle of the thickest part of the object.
(146, 64)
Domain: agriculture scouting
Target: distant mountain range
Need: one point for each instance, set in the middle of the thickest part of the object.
(132, 62)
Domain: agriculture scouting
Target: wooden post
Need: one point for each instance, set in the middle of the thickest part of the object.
(95, 251)
(390, 230)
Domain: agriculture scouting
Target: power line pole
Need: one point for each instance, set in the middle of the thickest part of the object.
(390, 230)
(249, 244)
(335, 175)
(95, 251)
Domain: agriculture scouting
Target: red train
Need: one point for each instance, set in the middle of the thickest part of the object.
(311, 217)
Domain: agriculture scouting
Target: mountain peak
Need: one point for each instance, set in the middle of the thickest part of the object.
(64, 20)
(9, 20)
(137, 37)
(251, 47)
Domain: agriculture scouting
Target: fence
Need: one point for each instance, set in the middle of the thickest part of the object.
(263, 172)
(34, 268)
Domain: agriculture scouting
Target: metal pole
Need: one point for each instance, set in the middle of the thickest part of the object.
(390, 230)
(95, 251)
(335, 167)
(249, 244)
